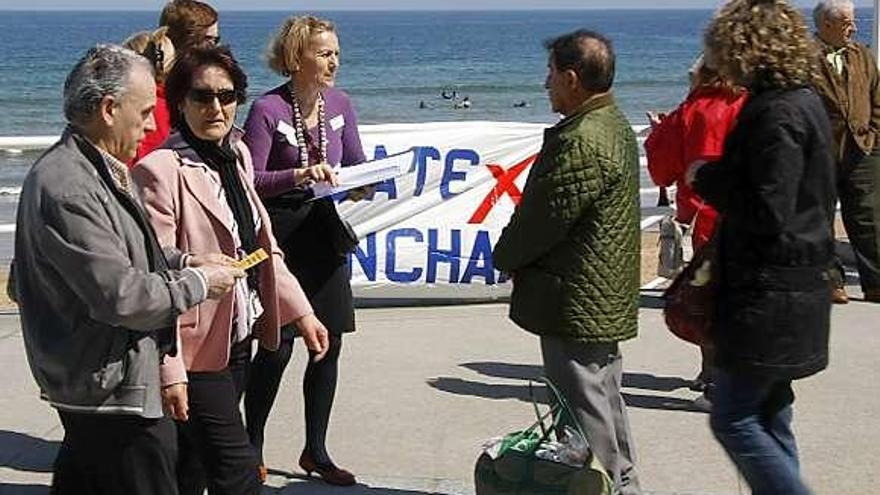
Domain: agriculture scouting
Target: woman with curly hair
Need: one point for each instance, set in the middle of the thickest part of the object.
(774, 187)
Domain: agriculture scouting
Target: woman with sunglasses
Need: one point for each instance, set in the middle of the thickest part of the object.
(297, 132)
(198, 193)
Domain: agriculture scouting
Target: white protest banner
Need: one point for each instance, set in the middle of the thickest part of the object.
(429, 233)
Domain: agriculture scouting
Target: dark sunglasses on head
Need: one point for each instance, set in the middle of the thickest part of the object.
(206, 96)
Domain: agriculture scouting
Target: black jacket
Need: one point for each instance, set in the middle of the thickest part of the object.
(774, 187)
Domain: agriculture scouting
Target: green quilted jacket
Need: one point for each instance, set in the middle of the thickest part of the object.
(572, 244)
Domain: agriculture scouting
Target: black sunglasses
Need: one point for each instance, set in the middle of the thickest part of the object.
(206, 96)
(212, 40)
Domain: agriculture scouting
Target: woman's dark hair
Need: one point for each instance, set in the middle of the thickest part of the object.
(180, 79)
(589, 54)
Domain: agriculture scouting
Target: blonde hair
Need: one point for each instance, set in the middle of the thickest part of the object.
(762, 44)
(137, 42)
(156, 47)
(286, 48)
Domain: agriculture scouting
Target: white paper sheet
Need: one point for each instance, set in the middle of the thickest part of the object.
(367, 173)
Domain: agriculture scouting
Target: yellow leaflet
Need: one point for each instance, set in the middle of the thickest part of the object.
(252, 259)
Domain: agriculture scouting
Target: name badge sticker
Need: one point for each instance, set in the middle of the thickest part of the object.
(337, 122)
(287, 131)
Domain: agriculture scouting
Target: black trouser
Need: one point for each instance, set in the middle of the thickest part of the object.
(860, 209)
(319, 390)
(115, 454)
(215, 451)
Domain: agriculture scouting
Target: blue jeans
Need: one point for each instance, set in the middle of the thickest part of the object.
(751, 418)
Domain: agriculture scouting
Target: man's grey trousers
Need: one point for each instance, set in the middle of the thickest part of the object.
(590, 376)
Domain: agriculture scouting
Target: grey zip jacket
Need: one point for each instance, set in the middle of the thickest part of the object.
(98, 300)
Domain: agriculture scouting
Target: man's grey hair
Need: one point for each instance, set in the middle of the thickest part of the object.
(103, 71)
(832, 9)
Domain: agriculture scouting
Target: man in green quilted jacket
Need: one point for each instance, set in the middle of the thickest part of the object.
(572, 247)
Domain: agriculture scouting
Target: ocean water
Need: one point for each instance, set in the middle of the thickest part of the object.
(391, 61)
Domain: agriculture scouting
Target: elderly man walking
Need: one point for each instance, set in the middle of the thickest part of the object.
(99, 297)
(849, 85)
(572, 247)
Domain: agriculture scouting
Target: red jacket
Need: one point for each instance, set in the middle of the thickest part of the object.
(163, 127)
(696, 130)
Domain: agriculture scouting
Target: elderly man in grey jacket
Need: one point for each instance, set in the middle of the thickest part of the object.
(99, 297)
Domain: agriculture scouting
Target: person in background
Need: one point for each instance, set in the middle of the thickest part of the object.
(156, 47)
(190, 23)
(99, 295)
(849, 84)
(572, 247)
(774, 188)
(198, 192)
(297, 133)
(183, 24)
(693, 132)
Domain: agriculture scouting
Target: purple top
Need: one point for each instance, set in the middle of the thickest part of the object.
(275, 152)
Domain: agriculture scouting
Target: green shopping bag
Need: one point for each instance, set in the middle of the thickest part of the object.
(515, 469)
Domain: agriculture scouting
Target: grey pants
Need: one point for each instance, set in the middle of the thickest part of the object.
(590, 376)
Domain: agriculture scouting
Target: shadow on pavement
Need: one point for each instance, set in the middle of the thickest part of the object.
(651, 302)
(13, 489)
(319, 488)
(26, 453)
(661, 403)
(322, 488)
(493, 391)
(506, 370)
(644, 381)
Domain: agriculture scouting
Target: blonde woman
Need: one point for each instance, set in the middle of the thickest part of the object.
(774, 187)
(297, 132)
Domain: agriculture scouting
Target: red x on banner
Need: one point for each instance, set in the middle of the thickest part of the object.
(504, 184)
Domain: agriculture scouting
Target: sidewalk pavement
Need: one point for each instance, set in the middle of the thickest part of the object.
(421, 388)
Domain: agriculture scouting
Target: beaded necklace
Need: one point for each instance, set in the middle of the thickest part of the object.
(299, 126)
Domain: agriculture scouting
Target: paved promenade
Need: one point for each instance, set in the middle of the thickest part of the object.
(421, 388)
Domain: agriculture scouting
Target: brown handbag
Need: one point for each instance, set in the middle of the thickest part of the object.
(690, 300)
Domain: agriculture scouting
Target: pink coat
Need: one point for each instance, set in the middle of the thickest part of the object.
(182, 207)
